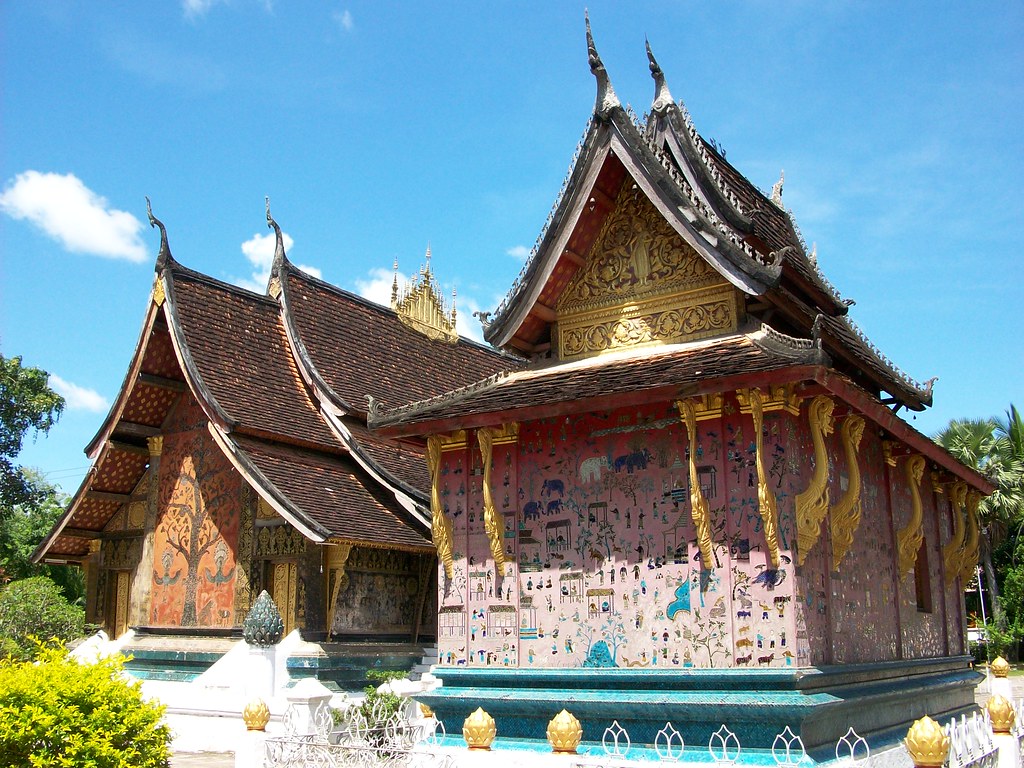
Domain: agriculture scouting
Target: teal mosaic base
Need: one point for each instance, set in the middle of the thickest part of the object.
(819, 704)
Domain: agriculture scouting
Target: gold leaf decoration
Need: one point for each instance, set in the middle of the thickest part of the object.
(812, 504)
(698, 504)
(846, 514)
(910, 536)
(951, 553)
(969, 557)
(440, 525)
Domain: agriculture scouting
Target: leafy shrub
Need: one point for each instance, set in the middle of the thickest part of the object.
(35, 607)
(377, 707)
(58, 712)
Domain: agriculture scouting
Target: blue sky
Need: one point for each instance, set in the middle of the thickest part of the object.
(377, 128)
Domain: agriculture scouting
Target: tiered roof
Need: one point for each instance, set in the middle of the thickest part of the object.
(284, 380)
(749, 238)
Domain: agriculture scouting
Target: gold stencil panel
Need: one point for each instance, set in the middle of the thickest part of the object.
(642, 284)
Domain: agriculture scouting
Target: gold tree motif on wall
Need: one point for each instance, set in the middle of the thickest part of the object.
(188, 524)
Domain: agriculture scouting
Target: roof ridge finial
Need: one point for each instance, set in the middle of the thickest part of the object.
(606, 98)
(394, 287)
(279, 255)
(165, 250)
(777, 189)
(662, 98)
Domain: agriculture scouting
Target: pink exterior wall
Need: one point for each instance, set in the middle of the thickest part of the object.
(604, 561)
(604, 565)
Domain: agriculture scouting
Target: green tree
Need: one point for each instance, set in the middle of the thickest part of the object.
(32, 608)
(24, 525)
(59, 712)
(26, 404)
(994, 447)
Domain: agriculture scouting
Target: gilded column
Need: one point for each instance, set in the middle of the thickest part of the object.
(698, 504)
(812, 504)
(846, 514)
(142, 584)
(440, 525)
(910, 536)
(952, 551)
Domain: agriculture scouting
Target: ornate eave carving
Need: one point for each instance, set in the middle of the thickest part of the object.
(845, 517)
(780, 397)
(910, 536)
(419, 306)
(812, 504)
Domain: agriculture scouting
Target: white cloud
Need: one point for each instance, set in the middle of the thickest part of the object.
(79, 398)
(73, 215)
(259, 250)
(343, 19)
(518, 252)
(195, 8)
(377, 285)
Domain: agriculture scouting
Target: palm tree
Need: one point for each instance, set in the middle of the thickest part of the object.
(995, 447)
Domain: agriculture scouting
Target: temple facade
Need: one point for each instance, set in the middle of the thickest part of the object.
(236, 458)
(700, 482)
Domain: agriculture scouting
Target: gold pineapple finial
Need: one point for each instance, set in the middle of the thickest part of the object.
(1000, 667)
(1000, 712)
(256, 715)
(564, 733)
(479, 731)
(927, 743)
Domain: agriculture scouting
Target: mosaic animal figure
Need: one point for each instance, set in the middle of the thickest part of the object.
(718, 610)
(744, 642)
(740, 660)
(632, 461)
(591, 469)
(554, 507)
(766, 659)
(531, 510)
(552, 487)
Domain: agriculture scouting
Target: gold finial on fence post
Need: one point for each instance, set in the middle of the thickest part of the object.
(479, 730)
(564, 733)
(1000, 712)
(927, 743)
(256, 715)
(1000, 667)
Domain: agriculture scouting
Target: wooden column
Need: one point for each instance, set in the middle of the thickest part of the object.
(142, 583)
(91, 566)
(312, 580)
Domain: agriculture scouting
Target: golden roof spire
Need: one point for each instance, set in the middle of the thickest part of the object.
(419, 305)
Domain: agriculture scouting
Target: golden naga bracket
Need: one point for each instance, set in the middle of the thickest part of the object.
(887, 448)
(337, 559)
(845, 517)
(440, 525)
(781, 397)
(494, 524)
(951, 553)
(698, 504)
(910, 536)
(969, 556)
(754, 401)
(812, 504)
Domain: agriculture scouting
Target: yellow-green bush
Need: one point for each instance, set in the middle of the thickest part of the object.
(59, 712)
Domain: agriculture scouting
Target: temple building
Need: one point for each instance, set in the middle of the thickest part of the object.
(697, 503)
(236, 458)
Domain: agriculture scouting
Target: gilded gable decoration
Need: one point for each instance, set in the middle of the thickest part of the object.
(419, 306)
(641, 285)
(812, 504)
(910, 536)
(846, 514)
